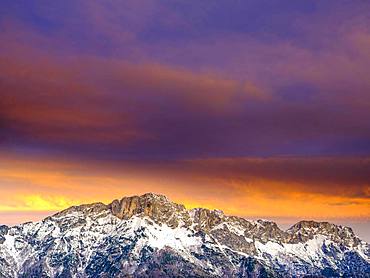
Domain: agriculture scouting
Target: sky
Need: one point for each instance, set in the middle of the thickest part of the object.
(260, 108)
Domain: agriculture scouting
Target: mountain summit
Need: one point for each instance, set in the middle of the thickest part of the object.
(150, 236)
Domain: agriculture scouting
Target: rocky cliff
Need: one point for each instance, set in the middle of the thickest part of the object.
(150, 236)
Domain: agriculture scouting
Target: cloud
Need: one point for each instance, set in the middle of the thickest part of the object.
(152, 110)
(340, 204)
(204, 94)
(94, 101)
(247, 187)
(339, 176)
(263, 114)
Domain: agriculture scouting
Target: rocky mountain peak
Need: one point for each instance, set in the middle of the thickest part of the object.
(85, 208)
(206, 219)
(3, 231)
(163, 211)
(155, 206)
(307, 229)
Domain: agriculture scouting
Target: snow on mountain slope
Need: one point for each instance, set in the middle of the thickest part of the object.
(149, 236)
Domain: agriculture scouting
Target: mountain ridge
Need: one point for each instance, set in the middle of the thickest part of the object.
(144, 236)
(163, 197)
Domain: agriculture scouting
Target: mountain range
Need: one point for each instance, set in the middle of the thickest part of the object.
(150, 236)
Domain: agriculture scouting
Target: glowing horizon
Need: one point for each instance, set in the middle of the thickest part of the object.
(44, 185)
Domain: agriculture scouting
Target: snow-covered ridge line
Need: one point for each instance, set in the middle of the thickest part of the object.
(149, 235)
(128, 206)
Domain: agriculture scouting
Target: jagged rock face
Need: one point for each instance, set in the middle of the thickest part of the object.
(150, 236)
(3, 231)
(305, 230)
(156, 207)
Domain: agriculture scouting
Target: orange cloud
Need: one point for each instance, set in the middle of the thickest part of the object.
(47, 185)
(344, 176)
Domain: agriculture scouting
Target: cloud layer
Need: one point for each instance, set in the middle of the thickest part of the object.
(257, 107)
